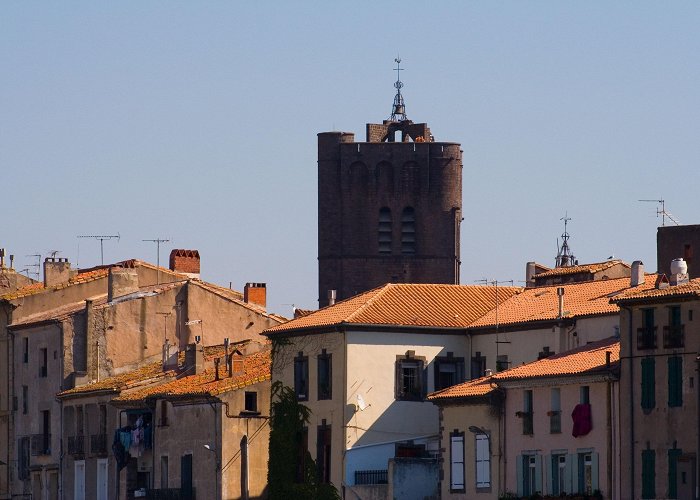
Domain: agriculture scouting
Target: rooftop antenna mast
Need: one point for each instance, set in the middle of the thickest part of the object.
(564, 256)
(36, 266)
(661, 210)
(158, 241)
(102, 239)
(398, 110)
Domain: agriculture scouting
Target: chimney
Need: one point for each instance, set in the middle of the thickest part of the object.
(331, 297)
(255, 293)
(637, 276)
(194, 359)
(56, 271)
(679, 272)
(236, 363)
(121, 281)
(185, 262)
(530, 271)
(2, 258)
(560, 294)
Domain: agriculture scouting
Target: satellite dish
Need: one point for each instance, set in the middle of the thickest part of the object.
(361, 402)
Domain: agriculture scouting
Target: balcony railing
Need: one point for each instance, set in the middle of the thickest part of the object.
(554, 421)
(76, 445)
(98, 443)
(646, 337)
(371, 477)
(41, 444)
(674, 336)
(528, 428)
(171, 494)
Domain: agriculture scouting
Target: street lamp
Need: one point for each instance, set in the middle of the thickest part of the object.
(216, 471)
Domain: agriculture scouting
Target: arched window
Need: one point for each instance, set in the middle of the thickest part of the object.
(408, 231)
(384, 230)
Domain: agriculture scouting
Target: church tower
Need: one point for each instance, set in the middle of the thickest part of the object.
(389, 208)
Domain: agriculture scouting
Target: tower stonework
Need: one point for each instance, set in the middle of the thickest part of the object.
(389, 209)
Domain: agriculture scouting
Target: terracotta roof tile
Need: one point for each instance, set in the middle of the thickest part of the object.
(587, 298)
(256, 368)
(23, 291)
(690, 289)
(583, 268)
(152, 372)
(477, 387)
(586, 359)
(447, 306)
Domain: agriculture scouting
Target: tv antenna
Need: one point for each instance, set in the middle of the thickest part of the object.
(36, 266)
(661, 210)
(102, 239)
(158, 241)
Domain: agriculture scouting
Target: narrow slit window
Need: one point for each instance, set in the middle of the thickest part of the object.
(408, 231)
(384, 230)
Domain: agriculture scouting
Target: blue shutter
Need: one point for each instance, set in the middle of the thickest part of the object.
(520, 474)
(538, 473)
(594, 473)
(572, 473)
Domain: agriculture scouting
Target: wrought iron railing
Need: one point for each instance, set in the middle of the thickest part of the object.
(646, 337)
(371, 476)
(41, 444)
(674, 336)
(98, 443)
(76, 445)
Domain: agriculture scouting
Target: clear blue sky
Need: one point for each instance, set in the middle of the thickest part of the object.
(197, 122)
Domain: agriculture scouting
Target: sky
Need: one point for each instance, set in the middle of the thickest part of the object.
(196, 122)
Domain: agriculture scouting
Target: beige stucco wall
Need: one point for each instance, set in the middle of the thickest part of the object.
(543, 442)
(658, 428)
(459, 418)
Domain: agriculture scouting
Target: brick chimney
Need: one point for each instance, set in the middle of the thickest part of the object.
(255, 293)
(56, 271)
(185, 262)
(121, 281)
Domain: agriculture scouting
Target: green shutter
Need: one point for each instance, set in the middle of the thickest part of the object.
(648, 384)
(538, 473)
(648, 474)
(675, 381)
(594, 472)
(673, 455)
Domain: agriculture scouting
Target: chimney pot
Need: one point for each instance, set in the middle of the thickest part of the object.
(637, 276)
(56, 273)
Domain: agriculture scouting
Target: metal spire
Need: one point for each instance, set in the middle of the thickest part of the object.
(564, 256)
(398, 111)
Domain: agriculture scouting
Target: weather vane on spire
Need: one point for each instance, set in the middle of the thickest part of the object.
(398, 111)
(564, 256)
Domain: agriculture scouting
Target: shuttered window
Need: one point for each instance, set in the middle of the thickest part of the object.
(457, 461)
(673, 455)
(648, 474)
(648, 384)
(675, 381)
(483, 462)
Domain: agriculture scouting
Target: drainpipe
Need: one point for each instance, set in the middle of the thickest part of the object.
(631, 377)
(608, 418)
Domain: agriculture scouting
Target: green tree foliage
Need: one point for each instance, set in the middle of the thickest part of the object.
(288, 419)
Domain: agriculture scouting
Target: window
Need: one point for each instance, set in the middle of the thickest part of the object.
(302, 451)
(409, 377)
(448, 371)
(325, 384)
(585, 395)
(457, 461)
(559, 474)
(673, 456)
(529, 474)
(502, 362)
(555, 411)
(675, 381)
(674, 332)
(23, 454)
(25, 354)
(384, 230)
(301, 377)
(251, 401)
(44, 368)
(648, 473)
(25, 399)
(478, 365)
(648, 384)
(46, 432)
(527, 412)
(545, 353)
(186, 475)
(483, 461)
(323, 452)
(408, 231)
(163, 413)
(646, 335)
(164, 472)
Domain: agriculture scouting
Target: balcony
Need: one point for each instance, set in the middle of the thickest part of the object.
(674, 336)
(98, 444)
(528, 428)
(371, 477)
(646, 337)
(76, 445)
(40, 444)
(554, 421)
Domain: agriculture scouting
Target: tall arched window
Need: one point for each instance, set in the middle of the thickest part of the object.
(384, 230)
(408, 231)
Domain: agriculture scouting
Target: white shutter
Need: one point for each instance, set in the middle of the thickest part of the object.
(457, 462)
(79, 480)
(483, 462)
(102, 479)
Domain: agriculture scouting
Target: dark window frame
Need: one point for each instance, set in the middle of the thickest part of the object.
(250, 402)
(441, 361)
(646, 334)
(675, 381)
(324, 439)
(44, 367)
(648, 382)
(477, 367)
(324, 381)
(301, 377)
(406, 362)
(527, 413)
